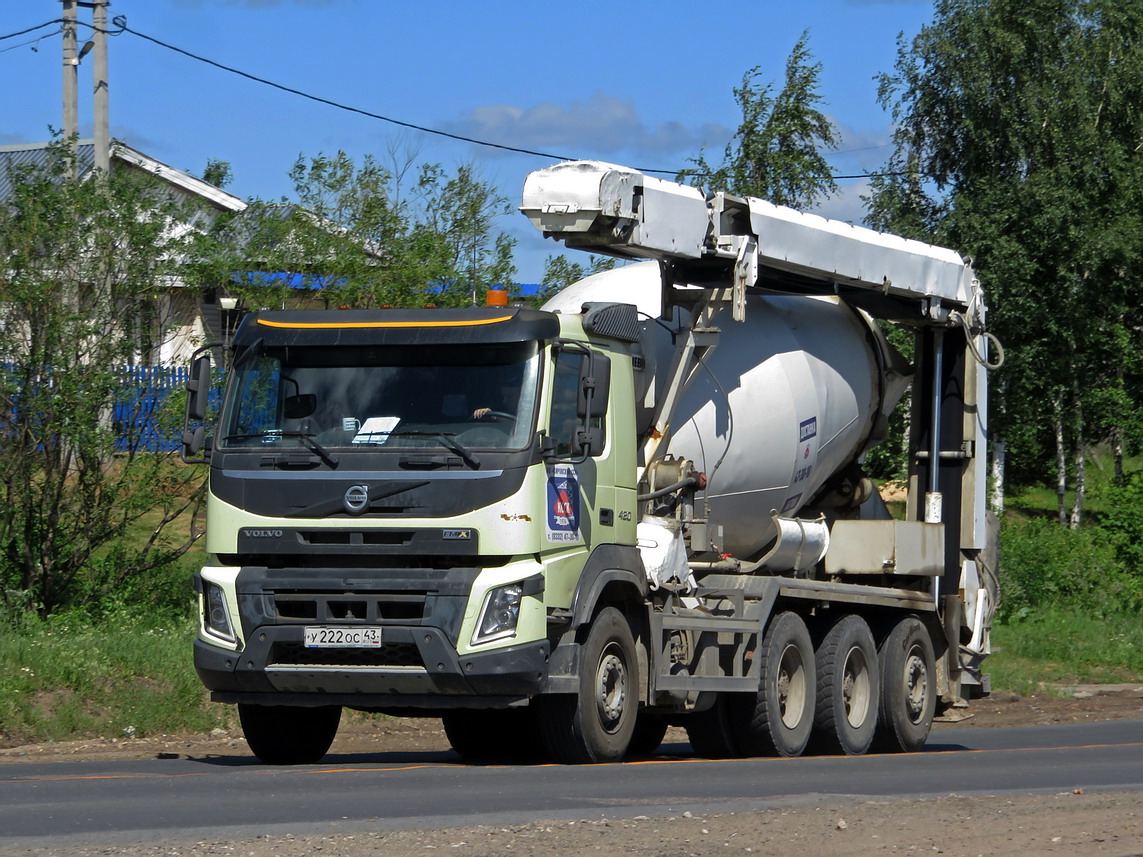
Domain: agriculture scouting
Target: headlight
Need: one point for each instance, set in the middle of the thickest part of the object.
(215, 615)
(500, 614)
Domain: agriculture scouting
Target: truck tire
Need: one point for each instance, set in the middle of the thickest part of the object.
(289, 734)
(908, 688)
(849, 688)
(711, 732)
(483, 735)
(781, 718)
(596, 724)
(647, 736)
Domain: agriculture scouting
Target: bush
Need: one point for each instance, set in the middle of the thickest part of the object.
(1043, 564)
(1122, 520)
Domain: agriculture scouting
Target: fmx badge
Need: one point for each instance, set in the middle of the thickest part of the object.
(563, 504)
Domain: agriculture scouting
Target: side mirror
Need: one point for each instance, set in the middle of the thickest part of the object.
(594, 385)
(198, 388)
(198, 396)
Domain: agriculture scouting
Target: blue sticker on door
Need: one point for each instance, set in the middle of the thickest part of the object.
(563, 504)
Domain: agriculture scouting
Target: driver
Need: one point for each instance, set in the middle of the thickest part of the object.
(504, 410)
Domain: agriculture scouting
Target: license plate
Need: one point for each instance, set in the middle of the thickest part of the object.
(341, 638)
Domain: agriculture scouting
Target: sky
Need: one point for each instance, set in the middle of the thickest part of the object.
(644, 84)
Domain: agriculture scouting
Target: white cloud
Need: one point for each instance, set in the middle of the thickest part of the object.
(599, 125)
(846, 204)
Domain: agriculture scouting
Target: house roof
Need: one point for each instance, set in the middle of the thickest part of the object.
(39, 155)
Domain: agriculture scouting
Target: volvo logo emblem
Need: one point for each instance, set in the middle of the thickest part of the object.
(356, 499)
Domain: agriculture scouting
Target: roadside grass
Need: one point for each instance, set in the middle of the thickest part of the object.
(126, 674)
(1055, 647)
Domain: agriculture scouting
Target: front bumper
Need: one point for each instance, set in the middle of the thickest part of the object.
(417, 666)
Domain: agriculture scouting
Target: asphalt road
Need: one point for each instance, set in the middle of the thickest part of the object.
(62, 803)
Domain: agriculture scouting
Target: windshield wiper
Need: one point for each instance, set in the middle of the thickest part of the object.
(308, 440)
(446, 439)
(306, 437)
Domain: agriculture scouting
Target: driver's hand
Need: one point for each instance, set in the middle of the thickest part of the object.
(481, 413)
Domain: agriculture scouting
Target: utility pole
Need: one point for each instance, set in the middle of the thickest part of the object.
(70, 79)
(100, 97)
(71, 60)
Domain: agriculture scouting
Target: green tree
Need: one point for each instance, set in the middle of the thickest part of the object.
(462, 209)
(1017, 142)
(352, 235)
(559, 273)
(776, 153)
(342, 239)
(84, 268)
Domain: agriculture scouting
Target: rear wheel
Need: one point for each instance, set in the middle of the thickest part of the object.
(647, 736)
(711, 732)
(596, 724)
(782, 715)
(289, 734)
(849, 687)
(908, 688)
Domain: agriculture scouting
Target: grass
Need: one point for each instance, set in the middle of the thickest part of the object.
(1056, 646)
(122, 676)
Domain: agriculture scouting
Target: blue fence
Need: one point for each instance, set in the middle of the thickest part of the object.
(139, 416)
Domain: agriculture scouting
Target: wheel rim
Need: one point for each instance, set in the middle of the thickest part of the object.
(916, 685)
(791, 686)
(856, 687)
(611, 688)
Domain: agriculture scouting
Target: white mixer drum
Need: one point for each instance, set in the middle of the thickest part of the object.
(788, 398)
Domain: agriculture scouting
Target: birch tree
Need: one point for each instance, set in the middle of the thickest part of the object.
(1018, 142)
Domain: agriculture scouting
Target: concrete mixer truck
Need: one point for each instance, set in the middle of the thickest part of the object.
(563, 530)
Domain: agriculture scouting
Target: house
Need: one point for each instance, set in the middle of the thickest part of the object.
(186, 316)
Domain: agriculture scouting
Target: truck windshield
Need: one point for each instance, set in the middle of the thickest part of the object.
(471, 397)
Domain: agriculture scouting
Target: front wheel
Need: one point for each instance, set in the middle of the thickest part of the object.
(596, 724)
(289, 734)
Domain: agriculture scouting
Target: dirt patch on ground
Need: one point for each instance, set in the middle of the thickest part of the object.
(363, 735)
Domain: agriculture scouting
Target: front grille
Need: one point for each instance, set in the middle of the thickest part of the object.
(386, 655)
(350, 607)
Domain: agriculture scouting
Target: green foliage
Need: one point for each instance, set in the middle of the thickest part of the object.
(1060, 645)
(559, 273)
(125, 675)
(353, 235)
(1121, 517)
(1044, 565)
(217, 173)
(1017, 143)
(776, 152)
(84, 274)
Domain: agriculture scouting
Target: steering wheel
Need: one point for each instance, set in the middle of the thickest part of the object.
(496, 415)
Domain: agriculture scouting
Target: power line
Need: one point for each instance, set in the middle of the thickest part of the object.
(34, 41)
(32, 29)
(120, 23)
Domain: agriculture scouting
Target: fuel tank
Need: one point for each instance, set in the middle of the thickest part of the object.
(789, 398)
